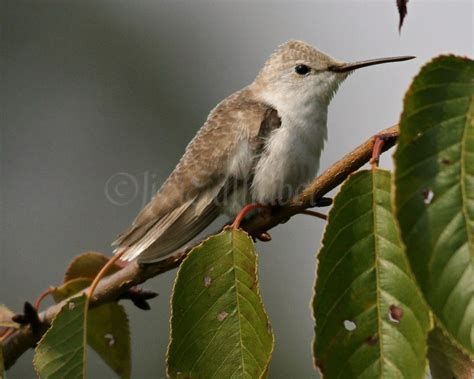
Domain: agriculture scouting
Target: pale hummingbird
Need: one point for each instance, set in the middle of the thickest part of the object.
(262, 144)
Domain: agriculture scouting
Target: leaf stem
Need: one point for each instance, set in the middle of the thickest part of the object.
(322, 216)
(41, 297)
(100, 275)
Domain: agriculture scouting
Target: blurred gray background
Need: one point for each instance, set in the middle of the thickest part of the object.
(92, 89)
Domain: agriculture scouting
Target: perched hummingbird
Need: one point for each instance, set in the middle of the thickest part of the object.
(261, 144)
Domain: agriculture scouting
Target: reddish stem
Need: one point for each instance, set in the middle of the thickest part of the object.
(41, 297)
(101, 274)
(376, 151)
(8, 332)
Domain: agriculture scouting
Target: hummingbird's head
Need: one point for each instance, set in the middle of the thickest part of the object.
(297, 74)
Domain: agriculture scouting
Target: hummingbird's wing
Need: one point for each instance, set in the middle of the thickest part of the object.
(189, 199)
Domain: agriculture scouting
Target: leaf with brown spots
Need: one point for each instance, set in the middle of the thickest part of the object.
(107, 328)
(219, 328)
(62, 348)
(371, 321)
(434, 191)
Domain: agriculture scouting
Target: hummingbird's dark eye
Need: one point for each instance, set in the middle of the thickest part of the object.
(302, 69)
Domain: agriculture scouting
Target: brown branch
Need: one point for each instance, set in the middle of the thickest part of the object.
(113, 286)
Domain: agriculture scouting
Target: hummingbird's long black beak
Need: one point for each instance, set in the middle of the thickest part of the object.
(355, 65)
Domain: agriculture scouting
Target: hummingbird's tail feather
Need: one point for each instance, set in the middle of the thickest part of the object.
(134, 233)
(141, 236)
(177, 235)
(156, 239)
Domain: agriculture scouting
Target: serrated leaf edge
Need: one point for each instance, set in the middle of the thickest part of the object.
(434, 320)
(67, 302)
(405, 259)
(257, 288)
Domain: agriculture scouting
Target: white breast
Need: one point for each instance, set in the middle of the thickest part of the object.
(291, 155)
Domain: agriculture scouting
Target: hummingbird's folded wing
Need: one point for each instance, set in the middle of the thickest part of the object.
(188, 201)
(174, 229)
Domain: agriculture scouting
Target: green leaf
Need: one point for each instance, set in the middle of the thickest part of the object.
(69, 288)
(447, 361)
(219, 327)
(88, 265)
(435, 191)
(61, 351)
(109, 335)
(107, 329)
(371, 321)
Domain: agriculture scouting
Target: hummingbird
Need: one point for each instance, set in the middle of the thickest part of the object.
(262, 145)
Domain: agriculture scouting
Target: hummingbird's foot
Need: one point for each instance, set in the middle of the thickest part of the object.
(245, 210)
